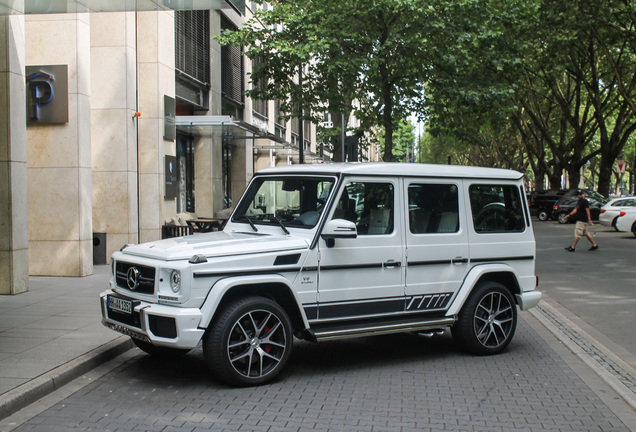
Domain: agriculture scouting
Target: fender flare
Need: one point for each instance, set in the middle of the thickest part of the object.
(222, 287)
(471, 280)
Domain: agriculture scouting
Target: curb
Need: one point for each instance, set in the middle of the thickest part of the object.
(29, 392)
(616, 373)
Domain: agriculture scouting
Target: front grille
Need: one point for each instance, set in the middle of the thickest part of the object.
(133, 319)
(144, 277)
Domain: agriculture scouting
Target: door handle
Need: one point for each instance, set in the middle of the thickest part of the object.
(390, 264)
(459, 260)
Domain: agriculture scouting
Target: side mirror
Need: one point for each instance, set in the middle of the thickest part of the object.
(338, 228)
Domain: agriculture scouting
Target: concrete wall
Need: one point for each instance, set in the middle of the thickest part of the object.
(156, 79)
(114, 128)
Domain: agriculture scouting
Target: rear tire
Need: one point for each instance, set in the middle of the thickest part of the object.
(249, 343)
(542, 215)
(634, 229)
(488, 320)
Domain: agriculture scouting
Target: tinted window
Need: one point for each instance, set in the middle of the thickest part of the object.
(569, 202)
(369, 205)
(433, 208)
(496, 208)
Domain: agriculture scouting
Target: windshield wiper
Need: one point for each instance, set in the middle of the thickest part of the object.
(251, 223)
(281, 225)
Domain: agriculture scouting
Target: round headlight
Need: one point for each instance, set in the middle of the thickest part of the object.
(175, 280)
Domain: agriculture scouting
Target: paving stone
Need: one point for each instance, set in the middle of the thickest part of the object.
(388, 383)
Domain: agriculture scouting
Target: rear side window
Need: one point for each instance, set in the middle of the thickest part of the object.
(433, 208)
(496, 208)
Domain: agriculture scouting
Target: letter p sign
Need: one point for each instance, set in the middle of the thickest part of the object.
(47, 94)
(40, 92)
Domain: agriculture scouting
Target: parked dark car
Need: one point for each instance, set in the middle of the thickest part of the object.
(542, 202)
(565, 205)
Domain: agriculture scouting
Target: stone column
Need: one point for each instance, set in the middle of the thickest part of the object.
(13, 169)
(59, 155)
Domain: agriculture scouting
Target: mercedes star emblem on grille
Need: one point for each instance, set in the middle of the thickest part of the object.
(132, 278)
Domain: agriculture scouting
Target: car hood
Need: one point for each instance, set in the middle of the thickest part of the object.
(215, 244)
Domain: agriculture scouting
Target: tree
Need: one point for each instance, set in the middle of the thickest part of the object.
(403, 141)
(563, 72)
(372, 51)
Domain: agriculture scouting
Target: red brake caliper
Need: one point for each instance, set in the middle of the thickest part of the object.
(267, 347)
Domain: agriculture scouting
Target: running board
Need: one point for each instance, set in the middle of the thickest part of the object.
(369, 329)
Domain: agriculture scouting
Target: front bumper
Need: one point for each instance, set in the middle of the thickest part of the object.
(157, 324)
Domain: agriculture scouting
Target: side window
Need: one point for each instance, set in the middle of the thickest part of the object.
(369, 205)
(496, 208)
(433, 208)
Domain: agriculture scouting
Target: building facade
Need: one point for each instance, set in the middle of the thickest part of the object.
(154, 124)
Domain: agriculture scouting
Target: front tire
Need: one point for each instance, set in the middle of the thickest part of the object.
(634, 229)
(488, 320)
(249, 343)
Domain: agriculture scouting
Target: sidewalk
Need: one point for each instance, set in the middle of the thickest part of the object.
(51, 335)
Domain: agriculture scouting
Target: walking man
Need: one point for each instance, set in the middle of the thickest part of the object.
(583, 219)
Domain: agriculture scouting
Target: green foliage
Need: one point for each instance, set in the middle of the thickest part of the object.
(549, 85)
(371, 51)
(403, 141)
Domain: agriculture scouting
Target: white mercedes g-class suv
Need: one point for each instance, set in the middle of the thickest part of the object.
(334, 251)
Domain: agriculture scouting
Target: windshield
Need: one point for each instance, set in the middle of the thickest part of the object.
(291, 201)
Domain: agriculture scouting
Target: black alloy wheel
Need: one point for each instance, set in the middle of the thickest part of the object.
(249, 343)
(487, 321)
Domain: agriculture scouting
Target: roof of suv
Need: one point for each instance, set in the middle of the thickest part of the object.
(396, 169)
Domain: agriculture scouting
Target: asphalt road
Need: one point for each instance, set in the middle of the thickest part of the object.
(597, 287)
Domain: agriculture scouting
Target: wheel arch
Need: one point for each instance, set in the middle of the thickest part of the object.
(500, 273)
(271, 287)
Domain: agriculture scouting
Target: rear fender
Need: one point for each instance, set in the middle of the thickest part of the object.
(472, 279)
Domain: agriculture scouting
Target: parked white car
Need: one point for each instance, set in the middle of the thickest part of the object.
(333, 251)
(611, 210)
(627, 221)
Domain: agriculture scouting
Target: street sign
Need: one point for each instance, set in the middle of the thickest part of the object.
(620, 166)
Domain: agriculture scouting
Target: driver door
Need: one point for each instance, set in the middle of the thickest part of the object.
(364, 276)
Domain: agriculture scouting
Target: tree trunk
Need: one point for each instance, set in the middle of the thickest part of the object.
(605, 175)
(388, 123)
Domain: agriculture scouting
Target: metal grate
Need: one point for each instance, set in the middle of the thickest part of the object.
(192, 45)
(231, 68)
(260, 107)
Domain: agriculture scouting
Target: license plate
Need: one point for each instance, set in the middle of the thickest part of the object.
(120, 305)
